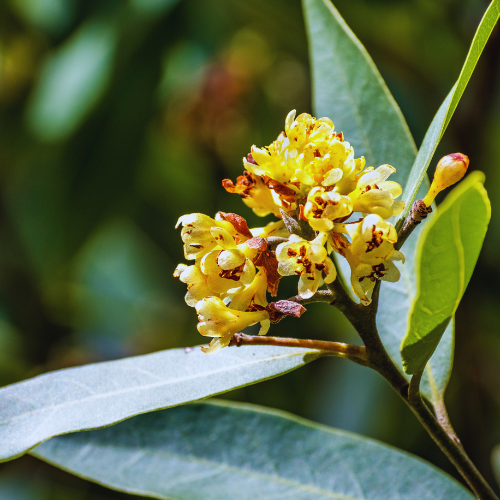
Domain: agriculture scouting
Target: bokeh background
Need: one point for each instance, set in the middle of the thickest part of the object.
(117, 117)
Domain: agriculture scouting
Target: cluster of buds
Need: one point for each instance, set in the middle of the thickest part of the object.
(308, 175)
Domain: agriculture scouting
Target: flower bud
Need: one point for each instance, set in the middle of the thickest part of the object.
(449, 170)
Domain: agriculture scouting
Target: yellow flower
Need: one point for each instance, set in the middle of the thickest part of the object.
(277, 228)
(228, 267)
(309, 152)
(323, 156)
(219, 321)
(252, 297)
(256, 195)
(375, 195)
(349, 181)
(364, 276)
(197, 234)
(277, 161)
(323, 207)
(196, 282)
(306, 129)
(371, 255)
(309, 260)
(372, 239)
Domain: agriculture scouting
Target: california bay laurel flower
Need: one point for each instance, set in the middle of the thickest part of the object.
(311, 173)
(323, 207)
(374, 194)
(197, 234)
(228, 267)
(222, 267)
(308, 260)
(254, 192)
(245, 309)
(371, 255)
(221, 322)
(196, 282)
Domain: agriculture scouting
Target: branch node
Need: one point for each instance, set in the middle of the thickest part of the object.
(419, 212)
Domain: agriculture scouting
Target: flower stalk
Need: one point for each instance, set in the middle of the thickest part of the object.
(353, 352)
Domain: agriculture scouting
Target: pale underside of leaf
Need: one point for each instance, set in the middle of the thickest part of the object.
(102, 394)
(225, 451)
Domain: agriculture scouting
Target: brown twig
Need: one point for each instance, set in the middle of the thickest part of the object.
(353, 352)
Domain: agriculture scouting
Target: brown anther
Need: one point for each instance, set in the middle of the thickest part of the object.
(378, 272)
(376, 241)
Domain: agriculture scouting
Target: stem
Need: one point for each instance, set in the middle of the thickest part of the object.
(378, 359)
(353, 352)
(449, 444)
(453, 450)
(364, 321)
(444, 420)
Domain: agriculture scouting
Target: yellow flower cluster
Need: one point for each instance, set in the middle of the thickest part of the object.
(224, 285)
(310, 173)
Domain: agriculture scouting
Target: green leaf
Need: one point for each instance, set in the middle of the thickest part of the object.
(446, 256)
(232, 451)
(348, 88)
(102, 394)
(445, 112)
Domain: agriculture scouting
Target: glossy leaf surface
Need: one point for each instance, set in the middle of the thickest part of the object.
(446, 256)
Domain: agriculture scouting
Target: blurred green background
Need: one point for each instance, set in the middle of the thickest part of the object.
(117, 117)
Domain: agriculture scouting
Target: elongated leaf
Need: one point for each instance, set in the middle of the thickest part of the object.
(446, 256)
(102, 394)
(348, 88)
(228, 451)
(445, 112)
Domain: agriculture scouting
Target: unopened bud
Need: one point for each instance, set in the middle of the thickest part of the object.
(449, 170)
